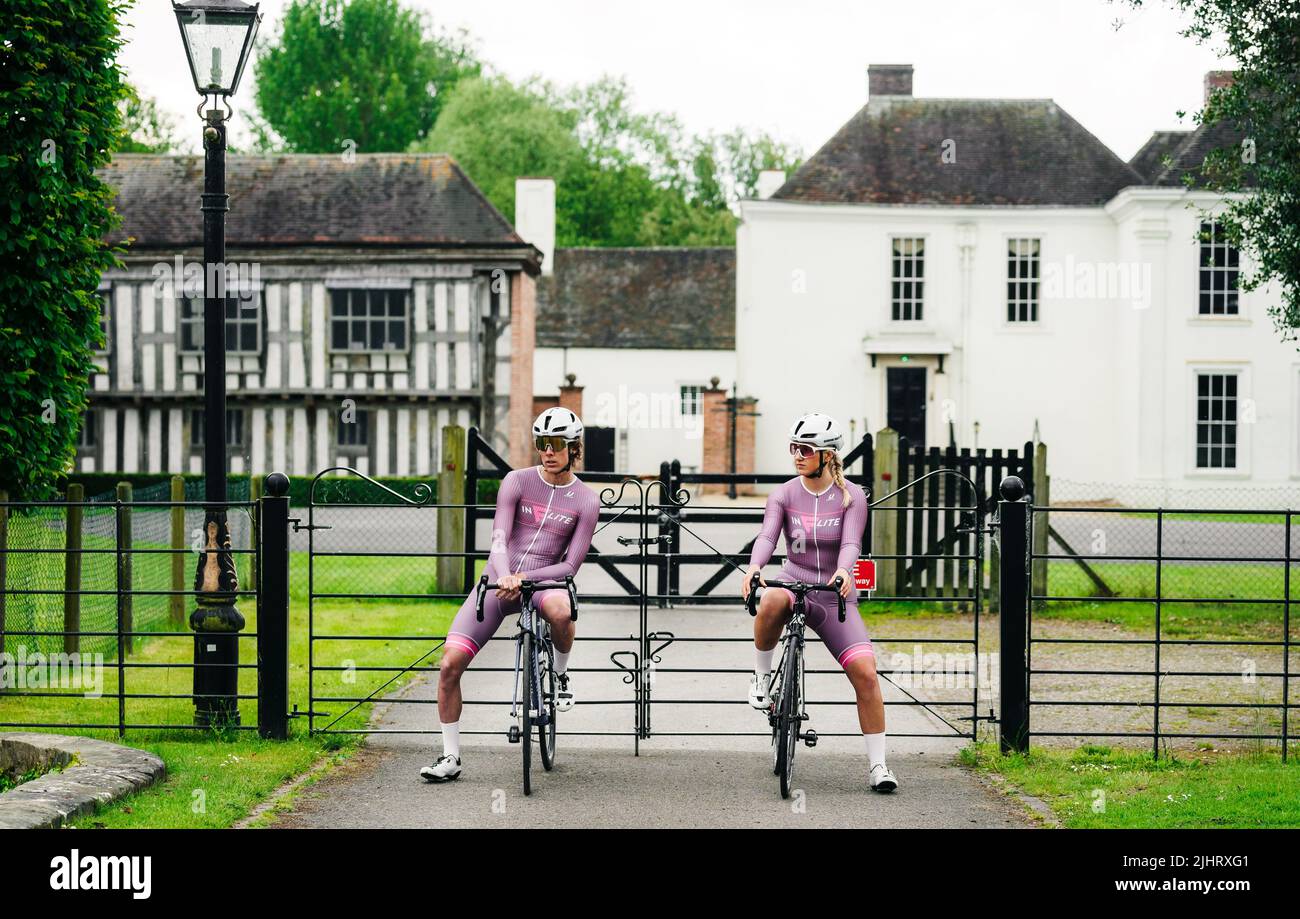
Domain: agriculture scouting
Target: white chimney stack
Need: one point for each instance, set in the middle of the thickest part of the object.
(769, 180)
(535, 217)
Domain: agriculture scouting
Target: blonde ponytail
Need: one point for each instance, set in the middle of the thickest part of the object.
(837, 476)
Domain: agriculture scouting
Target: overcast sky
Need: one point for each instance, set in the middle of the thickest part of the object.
(797, 70)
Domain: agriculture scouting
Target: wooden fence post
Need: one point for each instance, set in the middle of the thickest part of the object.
(1040, 524)
(451, 520)
(885, 533)
(176, 602)
(125, 600)
(72, 568)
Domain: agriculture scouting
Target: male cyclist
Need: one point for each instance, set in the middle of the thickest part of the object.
(541, 531)
(823, 517)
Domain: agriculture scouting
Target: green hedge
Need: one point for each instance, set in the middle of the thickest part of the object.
(331, 490)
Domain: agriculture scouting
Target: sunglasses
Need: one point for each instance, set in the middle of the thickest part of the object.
(557, 444)
(802, 450)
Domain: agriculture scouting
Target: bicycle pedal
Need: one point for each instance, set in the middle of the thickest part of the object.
(810, 738)
(513, 734)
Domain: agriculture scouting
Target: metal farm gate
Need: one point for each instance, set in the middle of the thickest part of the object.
(665, 555)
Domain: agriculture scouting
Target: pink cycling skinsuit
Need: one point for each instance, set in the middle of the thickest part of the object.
(541, 532)
(820, 537)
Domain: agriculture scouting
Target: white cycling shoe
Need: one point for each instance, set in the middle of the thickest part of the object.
(882, 779)
(759, 687)
(446, 769)
(564, 698)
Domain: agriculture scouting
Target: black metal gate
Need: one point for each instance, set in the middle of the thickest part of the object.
(362, 535)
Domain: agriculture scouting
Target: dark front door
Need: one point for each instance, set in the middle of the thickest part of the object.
(906, 392)
(598, 450)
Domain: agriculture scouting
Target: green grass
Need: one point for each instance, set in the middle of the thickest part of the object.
(215, 779)
(1219, 584)
(1275, 519)
(1100, 787)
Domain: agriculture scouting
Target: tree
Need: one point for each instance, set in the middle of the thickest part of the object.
(369, 72)
(497, 131)
(623, 178)
(145, 127)
(59, 119)
(1258, 141)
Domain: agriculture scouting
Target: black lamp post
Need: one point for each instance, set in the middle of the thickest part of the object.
(218, 35)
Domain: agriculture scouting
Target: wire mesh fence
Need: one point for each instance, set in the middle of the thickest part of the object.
(95, 597)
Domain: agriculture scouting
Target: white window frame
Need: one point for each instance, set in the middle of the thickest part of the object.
(923, 321)
(1244, 429)
(699, 398)
(1036, 302)
(1201, 270)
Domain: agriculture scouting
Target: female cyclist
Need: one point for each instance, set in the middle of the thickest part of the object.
(823, 517)
(541, 531)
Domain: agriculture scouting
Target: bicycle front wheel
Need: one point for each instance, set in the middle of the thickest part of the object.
(527, 670)
(546, 732)
(788, 712)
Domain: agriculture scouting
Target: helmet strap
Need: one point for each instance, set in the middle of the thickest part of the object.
(821, 465)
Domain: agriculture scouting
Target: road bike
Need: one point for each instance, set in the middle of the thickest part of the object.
(787, 695)
(532, 700)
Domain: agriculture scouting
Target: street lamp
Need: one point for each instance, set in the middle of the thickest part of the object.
(218, 35)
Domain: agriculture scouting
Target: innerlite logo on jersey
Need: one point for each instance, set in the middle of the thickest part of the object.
(813, 522)
(536, 514)
(103, 872)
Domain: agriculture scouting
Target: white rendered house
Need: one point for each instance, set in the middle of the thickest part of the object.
(975, 271)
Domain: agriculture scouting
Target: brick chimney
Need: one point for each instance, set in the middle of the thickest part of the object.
(1216, 80)
(889, 80)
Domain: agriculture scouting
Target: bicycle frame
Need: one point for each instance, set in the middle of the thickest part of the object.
(793, 632)
(529, 621)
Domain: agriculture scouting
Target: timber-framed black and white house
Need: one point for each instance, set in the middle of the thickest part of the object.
(371, 300)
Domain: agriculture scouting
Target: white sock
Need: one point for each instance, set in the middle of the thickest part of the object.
(763, 661)
(451, 738)
(562, 661)
(875, 748)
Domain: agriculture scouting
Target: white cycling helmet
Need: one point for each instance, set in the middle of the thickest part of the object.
(558, 422)
(817, 430)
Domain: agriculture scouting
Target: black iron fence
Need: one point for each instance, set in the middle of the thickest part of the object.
(1146, 623)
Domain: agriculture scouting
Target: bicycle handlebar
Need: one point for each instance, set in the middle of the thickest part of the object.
(527, 588)
(798, 587)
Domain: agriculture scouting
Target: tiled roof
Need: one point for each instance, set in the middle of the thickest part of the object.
(1150, 160)
(1188, 158)
(305, 200)
(1002, 152)
(679, 298)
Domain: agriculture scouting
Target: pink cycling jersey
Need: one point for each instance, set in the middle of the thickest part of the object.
(821, 536)
(541, 532)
